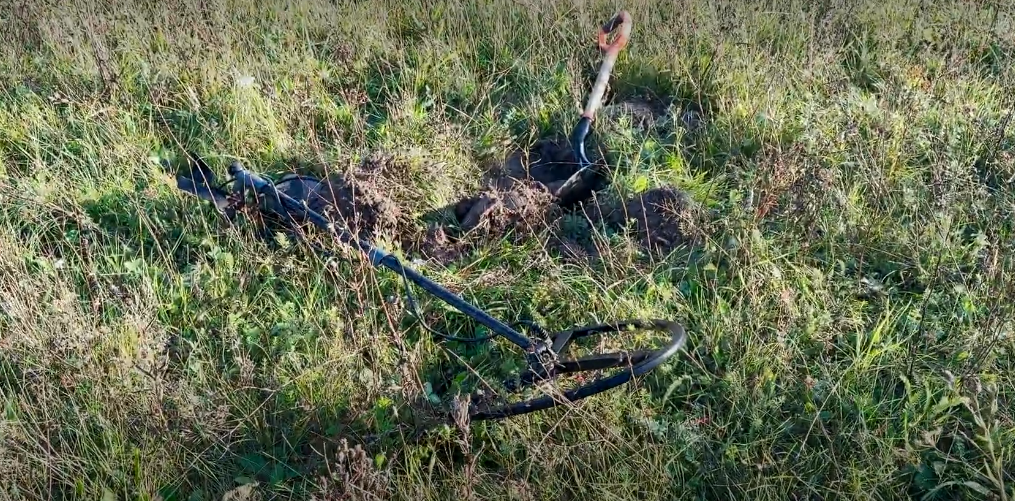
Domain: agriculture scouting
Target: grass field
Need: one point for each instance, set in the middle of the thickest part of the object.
(845, 280)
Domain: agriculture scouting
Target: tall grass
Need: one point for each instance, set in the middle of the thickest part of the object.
(849, 309)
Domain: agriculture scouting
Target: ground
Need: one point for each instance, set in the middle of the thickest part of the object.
(821, 195)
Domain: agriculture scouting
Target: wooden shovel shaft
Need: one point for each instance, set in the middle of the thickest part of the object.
(623, 21)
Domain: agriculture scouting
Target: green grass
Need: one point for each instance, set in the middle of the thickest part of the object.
(849, 310)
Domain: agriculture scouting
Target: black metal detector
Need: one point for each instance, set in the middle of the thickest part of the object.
(291, 200)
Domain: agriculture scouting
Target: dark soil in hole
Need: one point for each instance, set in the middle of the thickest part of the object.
(549, 162)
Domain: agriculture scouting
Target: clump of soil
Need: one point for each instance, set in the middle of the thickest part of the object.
(364, 209)
(362, 197)
(523, 206)
(518, 202)
(517, 199)
(516, 208)
(663, 218)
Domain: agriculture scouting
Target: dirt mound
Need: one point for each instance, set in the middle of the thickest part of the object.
(644, 113)
(663, 218)
(518, 199)
(523, 206)
(359, 198)
(364, 208)
(514, 209)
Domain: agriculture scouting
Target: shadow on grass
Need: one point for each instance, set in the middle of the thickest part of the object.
(288, 448)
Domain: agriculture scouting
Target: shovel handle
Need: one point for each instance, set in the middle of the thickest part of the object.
(622, 21)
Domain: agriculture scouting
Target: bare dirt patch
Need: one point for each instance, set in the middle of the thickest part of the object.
(515, 209)
(517, 202)
(364, 209)
(519, 206)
